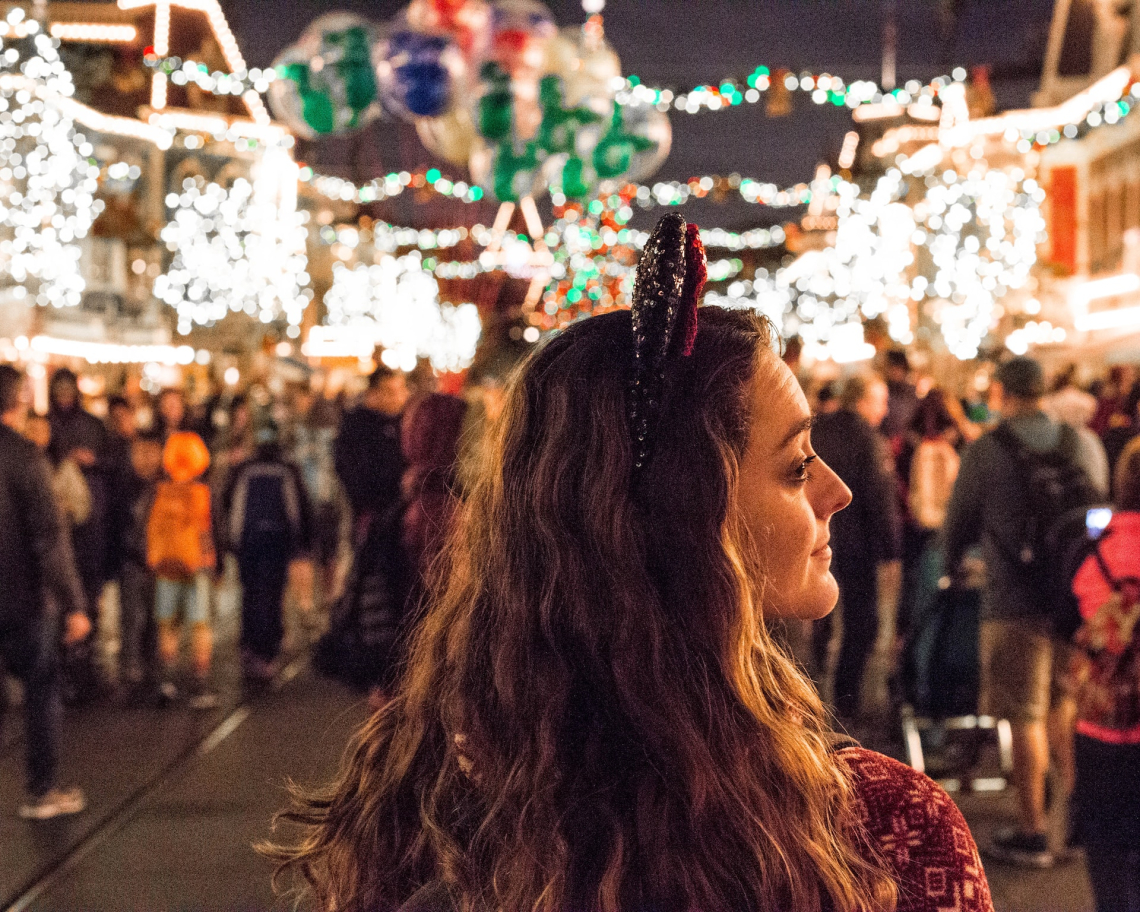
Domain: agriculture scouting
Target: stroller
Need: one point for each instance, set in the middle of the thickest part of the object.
(942, 733)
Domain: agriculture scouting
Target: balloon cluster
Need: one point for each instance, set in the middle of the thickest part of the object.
(495, 86)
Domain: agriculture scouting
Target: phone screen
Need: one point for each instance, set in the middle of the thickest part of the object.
(1097, 519)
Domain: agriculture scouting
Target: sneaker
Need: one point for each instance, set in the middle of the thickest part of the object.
(1026, 850)
(202, 698)
(55, 803)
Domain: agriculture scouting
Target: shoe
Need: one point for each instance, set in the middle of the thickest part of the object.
(1026, 850)
(202, 698)
(167, 693)
(55, 803)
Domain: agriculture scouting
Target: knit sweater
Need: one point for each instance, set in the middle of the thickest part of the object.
(912, 827)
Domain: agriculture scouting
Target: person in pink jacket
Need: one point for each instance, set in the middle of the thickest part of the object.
(1106, 797)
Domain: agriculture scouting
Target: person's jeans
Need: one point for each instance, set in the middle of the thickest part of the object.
(136, 620)
(263, 571)
(30, 651)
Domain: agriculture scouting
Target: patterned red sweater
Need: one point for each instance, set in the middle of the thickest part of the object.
(920, 835)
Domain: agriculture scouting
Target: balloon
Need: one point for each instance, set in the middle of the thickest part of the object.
(418, 73)
(519, 32)
(587, 64)
(452, 137)
(463, 21)
(507, 171)
(634, 145)
(326, 84)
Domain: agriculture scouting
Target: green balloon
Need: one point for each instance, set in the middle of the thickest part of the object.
(574, 178)
(614, 153)
(355, 68)
(497, 106)
(558, 131)
(508, 166)
(316, 106)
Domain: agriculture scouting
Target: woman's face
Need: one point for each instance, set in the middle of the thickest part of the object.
(786, 498)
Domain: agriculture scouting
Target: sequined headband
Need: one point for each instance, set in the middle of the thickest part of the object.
(670, 279)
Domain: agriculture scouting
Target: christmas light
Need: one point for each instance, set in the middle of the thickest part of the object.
(237, 249)
(394, 304)
(110, 353)
(94, 33)
(48, 179)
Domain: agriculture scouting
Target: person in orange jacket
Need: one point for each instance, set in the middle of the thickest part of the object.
(180, 552)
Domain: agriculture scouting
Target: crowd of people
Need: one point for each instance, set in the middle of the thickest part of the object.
(337, 509)
(948, 504)
(345, 506)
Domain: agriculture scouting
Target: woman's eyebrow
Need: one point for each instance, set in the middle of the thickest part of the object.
(799, 428)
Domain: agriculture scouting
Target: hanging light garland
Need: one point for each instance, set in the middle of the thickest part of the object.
(48, 175)
(189, 72)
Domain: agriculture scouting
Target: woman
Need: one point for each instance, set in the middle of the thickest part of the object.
(593, 716)
(1106, 798)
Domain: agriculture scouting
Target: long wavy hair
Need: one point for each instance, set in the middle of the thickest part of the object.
(593, 716)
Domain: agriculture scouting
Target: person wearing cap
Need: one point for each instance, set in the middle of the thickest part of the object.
(267, 522)
(1022, 663)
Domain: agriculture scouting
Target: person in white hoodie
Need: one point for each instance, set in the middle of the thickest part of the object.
(1074, 407)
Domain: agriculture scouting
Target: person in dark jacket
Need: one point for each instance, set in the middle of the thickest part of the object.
(37, 575)
(135, 495)
(1022, 663)
(267, 522)
(367, 452)
(77, 434)
(862, 536)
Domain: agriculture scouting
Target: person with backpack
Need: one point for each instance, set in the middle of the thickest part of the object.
(1106, 671)
(1023, 493)
(180, 552)
(267, 522)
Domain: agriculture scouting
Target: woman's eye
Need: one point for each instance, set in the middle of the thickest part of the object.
(802, 471)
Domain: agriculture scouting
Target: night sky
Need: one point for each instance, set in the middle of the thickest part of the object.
(681, 43)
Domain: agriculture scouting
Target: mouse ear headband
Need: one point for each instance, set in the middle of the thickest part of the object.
(670, 279)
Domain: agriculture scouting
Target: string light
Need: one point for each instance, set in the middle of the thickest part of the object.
(111, 353)
(184, 72)
(822, 88)
(47, 183)
(394, 303)
(389, 186)
(94, 33)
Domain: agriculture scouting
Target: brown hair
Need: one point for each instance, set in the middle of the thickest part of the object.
(1126, 478)
(593, 716)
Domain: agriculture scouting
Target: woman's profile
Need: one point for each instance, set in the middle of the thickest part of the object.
(593, 715)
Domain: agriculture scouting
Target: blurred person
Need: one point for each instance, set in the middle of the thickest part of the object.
(1071, 406)
(367, 451)
(79, 435)
(863, 537)
(181, 554)
(314, 432)
(68, 485)
(827, 399)
(138, 632)
(902, 397)
(1022, 657)
(41, 602)
(1122, 427)
(1110, 400)
(266, 523)
(594, 716)
(170, 412)
(931, 471)
(430, 485)
(1106, 796)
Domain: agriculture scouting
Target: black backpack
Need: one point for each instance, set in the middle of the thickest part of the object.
(1054, 539)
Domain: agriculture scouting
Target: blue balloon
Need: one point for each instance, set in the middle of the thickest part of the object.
(417, 73)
